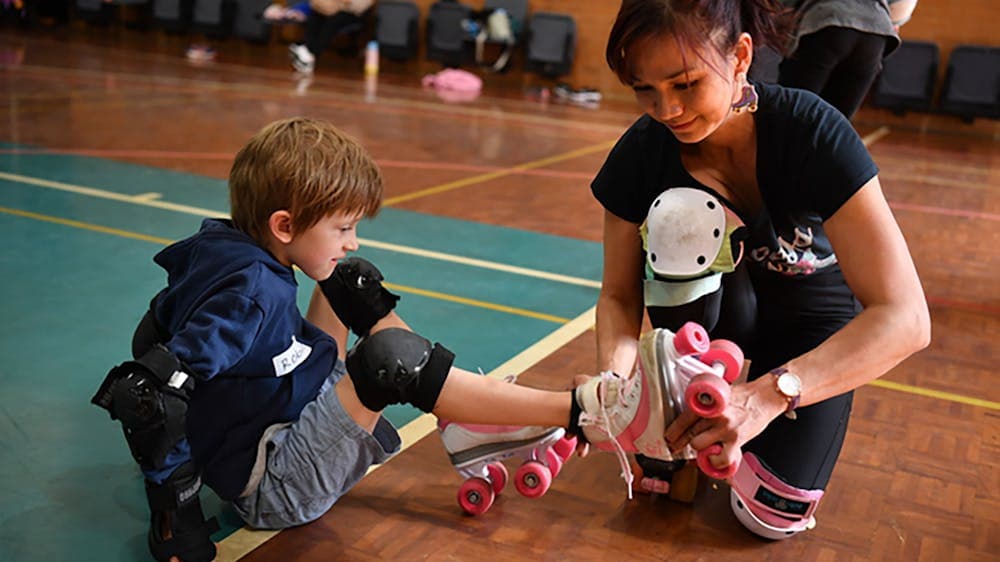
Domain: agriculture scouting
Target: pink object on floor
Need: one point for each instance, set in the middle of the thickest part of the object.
(454, 85)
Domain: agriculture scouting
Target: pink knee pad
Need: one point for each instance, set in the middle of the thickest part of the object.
(768, 506)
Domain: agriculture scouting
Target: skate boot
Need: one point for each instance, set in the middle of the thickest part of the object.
(696, 375)
(477, 453)
(630, 415)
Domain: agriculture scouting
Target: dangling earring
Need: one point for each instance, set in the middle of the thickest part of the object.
(748, 99)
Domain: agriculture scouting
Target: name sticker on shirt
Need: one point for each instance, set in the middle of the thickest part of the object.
(288, 360)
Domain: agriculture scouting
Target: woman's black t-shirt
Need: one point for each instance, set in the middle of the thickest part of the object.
(810, 161)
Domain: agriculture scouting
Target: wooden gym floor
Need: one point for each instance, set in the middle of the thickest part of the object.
(112, 145)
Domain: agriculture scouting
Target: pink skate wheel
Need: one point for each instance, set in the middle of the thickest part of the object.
(708, 468)
(565, 446)
(533, 479)
(727, 354)
(554, 462)
(475, 496)
(707, 395)
(691, 339)
(498, 476)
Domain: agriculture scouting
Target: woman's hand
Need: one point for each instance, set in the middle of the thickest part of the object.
(752, 406)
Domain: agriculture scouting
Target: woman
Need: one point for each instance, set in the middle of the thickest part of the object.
(826, 297)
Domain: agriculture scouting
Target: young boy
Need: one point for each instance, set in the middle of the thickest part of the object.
(232, 384)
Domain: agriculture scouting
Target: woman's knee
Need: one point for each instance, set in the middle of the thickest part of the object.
(767, 505)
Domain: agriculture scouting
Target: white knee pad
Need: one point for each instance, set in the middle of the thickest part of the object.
(688, 236)
(768, 506)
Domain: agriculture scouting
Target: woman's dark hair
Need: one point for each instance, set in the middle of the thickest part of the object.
(694, 22)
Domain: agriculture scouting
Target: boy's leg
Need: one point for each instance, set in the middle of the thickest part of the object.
(391, 365)
(149, 396)
(463, 394)
(305, 467)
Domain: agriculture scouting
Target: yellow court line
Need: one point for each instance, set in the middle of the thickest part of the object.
(938, 394)
(245, 540)
(483, 264)
(875, 136)
(401, 288)
(900, 387)
(145, 201)
(86, 226)
(500, 173)
(478, 303)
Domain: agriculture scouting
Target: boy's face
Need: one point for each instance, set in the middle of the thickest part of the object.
(317, 249)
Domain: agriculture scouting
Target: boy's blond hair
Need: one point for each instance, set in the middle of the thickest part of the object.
(304, 166)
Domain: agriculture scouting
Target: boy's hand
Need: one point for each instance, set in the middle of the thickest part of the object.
(356, 294)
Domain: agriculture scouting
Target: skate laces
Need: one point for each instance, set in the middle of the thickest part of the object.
(603, 422)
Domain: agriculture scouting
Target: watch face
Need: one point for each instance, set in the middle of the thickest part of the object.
(789, 384)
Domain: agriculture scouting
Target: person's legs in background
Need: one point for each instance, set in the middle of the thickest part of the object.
(320, 32)
(837, 63)
(850, 81)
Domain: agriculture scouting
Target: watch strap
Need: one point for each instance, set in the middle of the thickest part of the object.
(792, 401)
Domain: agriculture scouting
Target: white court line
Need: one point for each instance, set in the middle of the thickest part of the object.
(147, 201)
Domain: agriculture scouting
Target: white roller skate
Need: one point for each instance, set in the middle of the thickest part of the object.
(630, 415)
(477, 452)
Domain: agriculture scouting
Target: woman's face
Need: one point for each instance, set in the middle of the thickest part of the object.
(687, 94)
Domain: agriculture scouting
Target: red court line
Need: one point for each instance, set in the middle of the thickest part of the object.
(390, 105)
(943, 211)
(182, 155)
(973, 306)
(171, 154)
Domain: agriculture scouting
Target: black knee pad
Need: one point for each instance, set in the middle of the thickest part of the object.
(394, 366)
(175, 509)
(149, 396)
(356, 294)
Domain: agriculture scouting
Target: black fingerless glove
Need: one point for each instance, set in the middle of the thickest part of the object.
(356, 294)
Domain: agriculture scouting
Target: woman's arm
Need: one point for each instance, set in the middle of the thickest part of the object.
(619, 306)
(895, 323)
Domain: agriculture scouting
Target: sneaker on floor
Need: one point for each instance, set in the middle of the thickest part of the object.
(302, 59)
(586, 95)
(200, 53)
(562, 90)
(274, 13)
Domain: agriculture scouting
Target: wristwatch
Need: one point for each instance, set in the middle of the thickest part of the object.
(789, 387)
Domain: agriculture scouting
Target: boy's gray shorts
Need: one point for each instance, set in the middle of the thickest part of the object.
(304, 467)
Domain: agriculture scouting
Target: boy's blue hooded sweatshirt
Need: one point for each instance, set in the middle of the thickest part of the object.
(231, 311)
